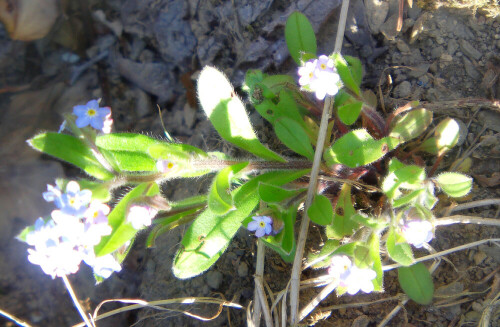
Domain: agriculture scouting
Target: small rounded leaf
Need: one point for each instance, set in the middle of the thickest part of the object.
(447, 134)
(416, 282)
(321, 211)
(455, 185)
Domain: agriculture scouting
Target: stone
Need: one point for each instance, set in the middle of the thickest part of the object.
(471, 70)
(242, 269)
(452, 47)
(389, 28)
(402, 90)
(214, 279)
(479, 257)
(469, 50)
(376, 12)
(402, 46)
(420, 70)
(437, 52)
(176, 41)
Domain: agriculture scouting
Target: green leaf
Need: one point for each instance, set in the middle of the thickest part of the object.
(328, 248)
(455, 185)
(446, 134)
(412, 124)
(409, 198)
(219, 196)
(429, 146)
(398, 249)
(356, 68)
(293, 136)
(349, 113)
(273, 194)
(99, 191)
(358, 148)
(362, 257)
(72, 150)
(299, 36)
(370, 222)
(166, 224)
(374, 245)
(321, 211)
(416, 282)
(401, 176)
(209, 235)
(345, 73)
(342, 225)
(117, 218)
(227, 113)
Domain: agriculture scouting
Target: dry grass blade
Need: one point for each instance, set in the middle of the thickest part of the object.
(139, 304)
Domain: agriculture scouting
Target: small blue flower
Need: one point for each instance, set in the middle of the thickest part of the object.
(75, 202)
(91, 114)
(261, 225)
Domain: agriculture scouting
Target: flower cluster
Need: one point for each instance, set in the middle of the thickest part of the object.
(351, 277)
(261, 225)
(61, 243)
(319, 76)
(417, 232)
(91, 114)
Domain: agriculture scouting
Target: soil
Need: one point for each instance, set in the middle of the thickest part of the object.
(135, 54)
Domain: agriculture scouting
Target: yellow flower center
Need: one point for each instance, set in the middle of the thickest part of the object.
(262, 224)
(311, 75)
(91, 112)
(170, 165)
(323, 66)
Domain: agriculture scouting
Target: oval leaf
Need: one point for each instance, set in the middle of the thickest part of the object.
(349, 113)
(455, 185)
(321, 211)
(293, 136)
(398, 249)
(446, 134)
(272, 194)
(299, 36)
(416, 282)
(412, 124)
(227, 113)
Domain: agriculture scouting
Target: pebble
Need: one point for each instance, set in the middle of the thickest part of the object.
(437, 52)
(479, 257)
(452, 46)
(214, 279)
(242, 269)
(420, 70)
(361, 321)
(471, 70)
(402, 90)
(469, 50)
(402, 46)
(376, 12)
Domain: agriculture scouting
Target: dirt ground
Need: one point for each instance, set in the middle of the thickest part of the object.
(135, 54)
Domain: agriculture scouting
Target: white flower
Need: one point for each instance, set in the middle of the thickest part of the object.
(96, 223)
(104, 266)
(359, 279)
(417, 232)
(140, 215)
(54, 250)
(350, 276)
(319, 76)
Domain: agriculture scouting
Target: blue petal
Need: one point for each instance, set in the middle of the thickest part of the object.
(253, 226)
(82, 121)
(97, 123)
